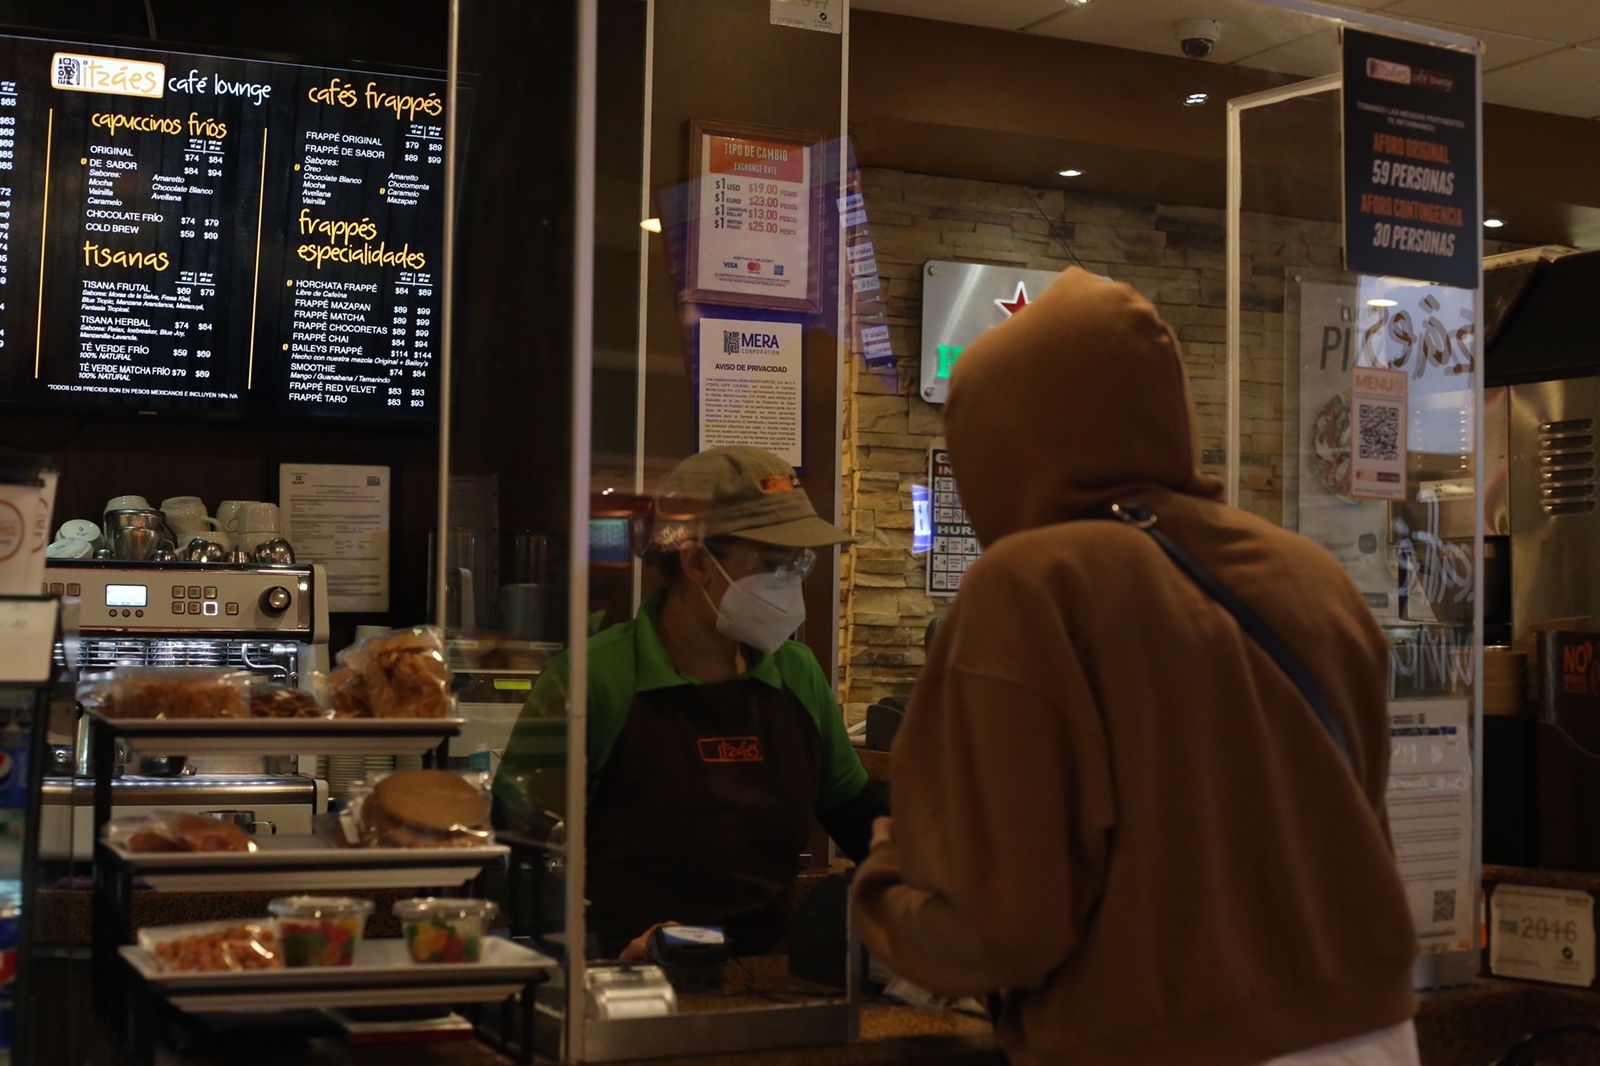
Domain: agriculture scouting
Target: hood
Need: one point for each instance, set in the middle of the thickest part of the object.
(1077, 400)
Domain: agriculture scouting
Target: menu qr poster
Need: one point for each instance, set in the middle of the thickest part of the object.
(755, 229)
(1410, 129)
(955, 543)
(1378, 417)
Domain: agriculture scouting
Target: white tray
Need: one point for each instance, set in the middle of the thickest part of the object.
(381, 975)
(324, 736)
(308, 862)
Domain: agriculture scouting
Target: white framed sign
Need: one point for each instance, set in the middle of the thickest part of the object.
(1542, 934)
(755, 226)
(338, 516)
(750, 386)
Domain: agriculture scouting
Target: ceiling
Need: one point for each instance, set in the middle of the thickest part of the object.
(1541, 55)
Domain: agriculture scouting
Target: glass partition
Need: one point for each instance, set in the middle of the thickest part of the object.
(655, 256)
(646, 267)
(1378, 382)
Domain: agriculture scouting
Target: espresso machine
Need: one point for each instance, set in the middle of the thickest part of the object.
(270, 620)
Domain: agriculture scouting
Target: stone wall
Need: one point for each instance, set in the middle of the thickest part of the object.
(1174, 255)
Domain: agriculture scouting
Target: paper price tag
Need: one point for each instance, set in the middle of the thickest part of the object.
(27, 639)
(1542, 934)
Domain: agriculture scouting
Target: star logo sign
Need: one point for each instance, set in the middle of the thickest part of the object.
(1016, 303)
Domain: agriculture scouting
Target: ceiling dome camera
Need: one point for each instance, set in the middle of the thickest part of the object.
(1197, 37)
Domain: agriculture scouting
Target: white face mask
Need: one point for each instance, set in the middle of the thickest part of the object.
(761, 610)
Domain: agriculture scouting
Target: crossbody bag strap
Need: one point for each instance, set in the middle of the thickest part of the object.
(1252, 623)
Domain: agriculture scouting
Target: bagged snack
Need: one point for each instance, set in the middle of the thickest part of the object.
(177, 692)
(281, 701)
(212, 947)
(347, 694)
(395, 675)
(425, 809)
(173, 831)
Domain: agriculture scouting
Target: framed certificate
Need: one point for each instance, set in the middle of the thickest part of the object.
(755, 217)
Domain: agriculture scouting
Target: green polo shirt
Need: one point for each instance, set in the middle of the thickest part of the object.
(628, 659)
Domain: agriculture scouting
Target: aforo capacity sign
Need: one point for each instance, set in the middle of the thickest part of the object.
(1410, 160)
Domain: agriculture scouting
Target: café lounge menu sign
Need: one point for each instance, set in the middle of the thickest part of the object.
(184, 231)
(1410, 160)
(756, 226)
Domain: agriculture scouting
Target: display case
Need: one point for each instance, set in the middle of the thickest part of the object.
(28, 630)
(134, 991)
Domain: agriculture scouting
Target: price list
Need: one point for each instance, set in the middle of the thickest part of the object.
(8, 148)
(362, 293)
(217, 233)
(150, 319)
(755, 224)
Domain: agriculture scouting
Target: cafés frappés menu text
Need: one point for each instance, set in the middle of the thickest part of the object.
(203, 233)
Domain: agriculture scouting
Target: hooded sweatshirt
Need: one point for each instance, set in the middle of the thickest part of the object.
(1108, 800)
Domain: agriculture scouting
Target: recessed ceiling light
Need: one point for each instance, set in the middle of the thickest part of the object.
(1195, 99)
(1493, 223)
(1076, 3)
(1380, 302)
(1070, 173)
(651, 224)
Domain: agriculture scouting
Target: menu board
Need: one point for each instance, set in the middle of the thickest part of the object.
(188, 232)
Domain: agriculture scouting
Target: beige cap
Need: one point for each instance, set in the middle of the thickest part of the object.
(738, 492)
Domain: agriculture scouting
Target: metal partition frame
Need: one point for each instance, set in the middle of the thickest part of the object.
(1431, 970)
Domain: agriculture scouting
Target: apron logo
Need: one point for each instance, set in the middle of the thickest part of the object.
(731, 749)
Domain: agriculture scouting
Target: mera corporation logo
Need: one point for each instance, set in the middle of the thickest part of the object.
(105, 74)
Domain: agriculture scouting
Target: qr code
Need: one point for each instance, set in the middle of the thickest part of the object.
(68, 71)
(1444, 905)
(1508, 926)
(730, 342)
(1380, 432)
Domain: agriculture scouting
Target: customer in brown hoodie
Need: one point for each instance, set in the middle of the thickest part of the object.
(1108, 799)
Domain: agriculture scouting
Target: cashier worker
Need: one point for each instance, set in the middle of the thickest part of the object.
(713, 739)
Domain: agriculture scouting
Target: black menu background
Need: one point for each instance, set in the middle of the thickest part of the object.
(348, 340)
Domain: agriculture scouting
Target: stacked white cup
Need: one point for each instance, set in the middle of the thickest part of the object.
(250, 523)
(188, 520)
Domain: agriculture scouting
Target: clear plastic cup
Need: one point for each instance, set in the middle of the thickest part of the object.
(320, 930)
(445, 930)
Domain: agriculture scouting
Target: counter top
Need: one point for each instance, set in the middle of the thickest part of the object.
(1468, 1026)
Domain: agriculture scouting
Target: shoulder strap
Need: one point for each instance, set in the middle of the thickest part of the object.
(1251, 622)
